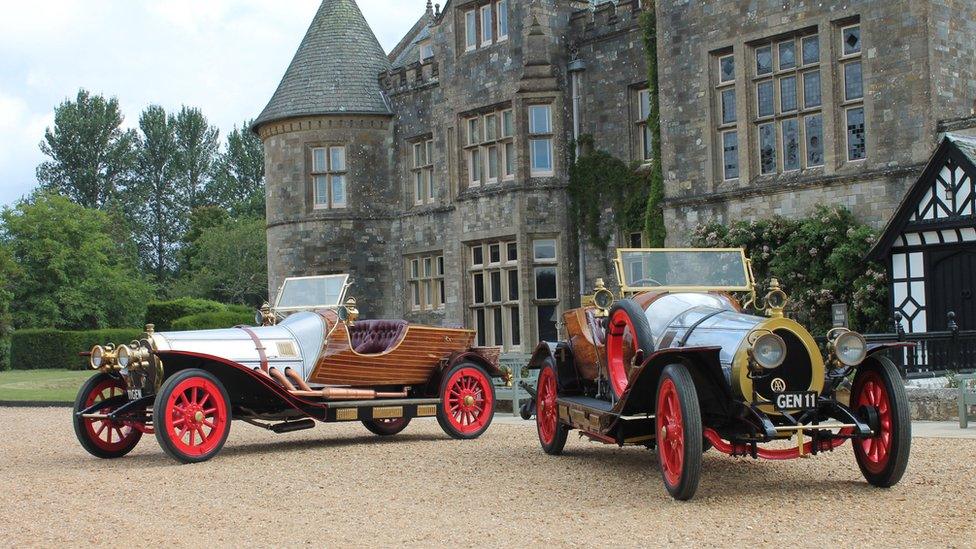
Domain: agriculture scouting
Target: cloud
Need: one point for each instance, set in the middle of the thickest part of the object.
(223, 56)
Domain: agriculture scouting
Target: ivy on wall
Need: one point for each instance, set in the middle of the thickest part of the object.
(598, 182)
(654, 211)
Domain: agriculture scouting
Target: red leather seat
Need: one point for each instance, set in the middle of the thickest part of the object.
(374, 337)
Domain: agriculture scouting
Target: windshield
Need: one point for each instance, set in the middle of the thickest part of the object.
(706, 269)
(313, 292)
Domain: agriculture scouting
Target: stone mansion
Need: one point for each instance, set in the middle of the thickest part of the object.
(436, 173)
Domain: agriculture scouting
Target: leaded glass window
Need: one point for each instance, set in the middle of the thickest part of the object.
(764, 60)
(811, 50)
(811, 90)
(764, 92)
(814, 140)
(728, 106)
(730, 155)
(787, 55)
(787, 93)
(767, 148)
(856, 142)
(853, 83)
(851, 40)
(791, 144)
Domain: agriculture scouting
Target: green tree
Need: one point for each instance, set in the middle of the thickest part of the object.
(195, 154)
(91, 154)
(238, 182)
(69, 273)
(158, 209)
(230, 264)
(7, 268)
(201, 219)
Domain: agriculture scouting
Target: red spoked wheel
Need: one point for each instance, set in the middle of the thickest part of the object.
(679, 432)
(386, 427)
(192, 416)
(627, 333)
(878, 395)
(552, 434)
(467, 401)
(101, 437)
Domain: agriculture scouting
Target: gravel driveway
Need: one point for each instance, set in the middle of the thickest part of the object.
(338, 485)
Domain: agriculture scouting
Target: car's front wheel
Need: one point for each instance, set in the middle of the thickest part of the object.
(100, 436)
(192, 416)
(879, 394)
(386, 427)
(679, 432)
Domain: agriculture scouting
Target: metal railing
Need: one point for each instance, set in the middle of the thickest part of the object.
(936, 353)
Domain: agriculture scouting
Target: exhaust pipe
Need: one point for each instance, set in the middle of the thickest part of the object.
(281, 379)
(337, 393)
(291, 426)
(297, 378)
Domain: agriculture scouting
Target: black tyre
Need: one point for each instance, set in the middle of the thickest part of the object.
(679, 432)
(192, 416)
(882, 458)
(467, 401)
(386, 427)
(100, 437)
(552, 433)
(627, 333)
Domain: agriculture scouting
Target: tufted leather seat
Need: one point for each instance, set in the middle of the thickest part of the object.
(373, 337)
(596, 328)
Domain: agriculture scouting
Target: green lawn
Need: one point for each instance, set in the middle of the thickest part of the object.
(41, 385)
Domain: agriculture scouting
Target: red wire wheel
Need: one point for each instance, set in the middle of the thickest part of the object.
(552, 434)
(192, 416)
(679, 432)
(467, 401)
(627, 332)
(878, 392)
(101, 437)
(386, 427)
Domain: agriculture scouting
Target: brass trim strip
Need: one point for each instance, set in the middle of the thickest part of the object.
(347, 414)
(396, 402)
(388, 412)
(638, 439)
(793, 428)
(426, 410)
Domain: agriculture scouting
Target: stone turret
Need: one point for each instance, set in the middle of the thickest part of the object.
(328, 155)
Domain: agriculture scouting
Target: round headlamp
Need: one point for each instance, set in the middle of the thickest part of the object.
(850, 348)
(769, 351)
(124, 356)
(97, 357)
(603, 299)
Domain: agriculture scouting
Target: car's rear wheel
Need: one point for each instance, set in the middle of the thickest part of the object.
(101, 437)
(627, 333)
(878, 392)
(467, 401)
(386, 427)
(192, 416)
(552, 433)
(679, 432)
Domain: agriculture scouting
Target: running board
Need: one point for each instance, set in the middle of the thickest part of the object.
(587, 414)
(361, 410)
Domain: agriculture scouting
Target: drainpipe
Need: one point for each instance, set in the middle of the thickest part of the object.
(575, 69)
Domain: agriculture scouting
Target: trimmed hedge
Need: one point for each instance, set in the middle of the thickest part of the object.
(163, 313)
(43, 349)
(213, 321)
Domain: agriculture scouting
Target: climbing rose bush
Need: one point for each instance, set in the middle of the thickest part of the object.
(819, 261)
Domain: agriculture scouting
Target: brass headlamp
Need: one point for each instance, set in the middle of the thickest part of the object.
(775, 300)
(103, 358)
(602, 298)
(846, 348)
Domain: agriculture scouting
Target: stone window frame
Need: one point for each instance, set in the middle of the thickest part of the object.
(798, 72)
(724, 126)
(537, 135)
(849, 105)
(504, 308)
(486, 32)
(328, 173)
(422, 169)
(540, 304)
(487, 132)
(425, 281)
(426, 50)
(645, 141)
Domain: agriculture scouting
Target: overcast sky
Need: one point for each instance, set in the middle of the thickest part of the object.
(223, 56)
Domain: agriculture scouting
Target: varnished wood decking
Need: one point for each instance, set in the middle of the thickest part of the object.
(410, 363)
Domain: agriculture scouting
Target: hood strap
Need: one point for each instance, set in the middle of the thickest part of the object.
(258, 346)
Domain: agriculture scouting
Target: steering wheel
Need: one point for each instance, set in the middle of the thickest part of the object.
(643, 282)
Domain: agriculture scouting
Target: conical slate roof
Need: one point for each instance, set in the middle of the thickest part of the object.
(335, 70)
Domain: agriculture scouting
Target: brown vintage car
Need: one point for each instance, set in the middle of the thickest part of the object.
(310, 359)
(680, 365)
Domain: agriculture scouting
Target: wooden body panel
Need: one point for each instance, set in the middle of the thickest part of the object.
(411, 362)
(586, 353)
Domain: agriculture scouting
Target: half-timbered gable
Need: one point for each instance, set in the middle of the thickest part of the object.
(929, 245)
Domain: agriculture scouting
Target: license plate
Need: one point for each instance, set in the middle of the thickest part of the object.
(796, 401)
(135, 394)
